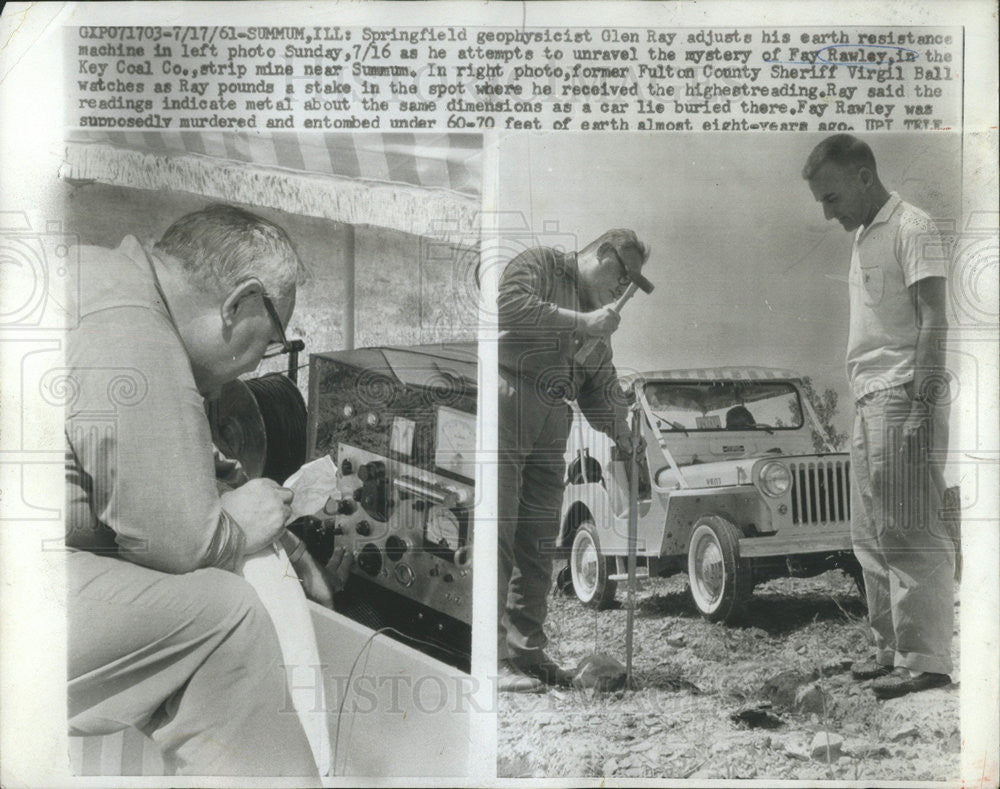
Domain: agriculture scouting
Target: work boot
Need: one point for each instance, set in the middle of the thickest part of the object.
(510, 679)
(869, 669)
(901, 682)
(548, 671)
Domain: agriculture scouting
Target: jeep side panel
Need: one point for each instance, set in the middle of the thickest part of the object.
(740, 505)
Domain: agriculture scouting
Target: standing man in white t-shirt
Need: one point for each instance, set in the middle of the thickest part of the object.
(895, 364)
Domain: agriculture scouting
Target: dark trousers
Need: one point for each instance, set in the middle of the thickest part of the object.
(533, 429)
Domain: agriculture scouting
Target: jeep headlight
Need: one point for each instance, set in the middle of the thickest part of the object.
(775, 478)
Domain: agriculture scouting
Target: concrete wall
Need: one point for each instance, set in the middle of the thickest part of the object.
(405, 286)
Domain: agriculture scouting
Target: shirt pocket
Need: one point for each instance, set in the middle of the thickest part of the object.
(873, 284)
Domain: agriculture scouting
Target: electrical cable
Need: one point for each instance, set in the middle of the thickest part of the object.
(366, 651)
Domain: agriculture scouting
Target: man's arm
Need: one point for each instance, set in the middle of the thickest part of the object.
(602, 401)
(521, 301)
(921, 255)
(929, 374)
(139, 432)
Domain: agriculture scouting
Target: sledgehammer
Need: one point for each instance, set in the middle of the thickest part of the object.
(591, 346)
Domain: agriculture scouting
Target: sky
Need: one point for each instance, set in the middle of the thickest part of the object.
(745, 268)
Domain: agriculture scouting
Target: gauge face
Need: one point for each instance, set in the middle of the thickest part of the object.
(456, 442)
(401, 438)
(442, 528)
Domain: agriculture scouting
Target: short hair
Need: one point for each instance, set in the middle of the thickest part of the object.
(738, 417)
(222, 246)
(842, 150)
(617, 240)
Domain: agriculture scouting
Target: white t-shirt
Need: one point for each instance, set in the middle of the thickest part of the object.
(901, 246)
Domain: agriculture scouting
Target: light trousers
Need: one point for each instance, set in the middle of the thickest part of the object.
(191, 660)
(900, 539)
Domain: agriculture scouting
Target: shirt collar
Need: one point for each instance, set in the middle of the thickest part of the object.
(570, 268)
(132, 247)
(884, 213)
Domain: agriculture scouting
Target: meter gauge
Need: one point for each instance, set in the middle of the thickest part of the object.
(443, 531)
(455, 442)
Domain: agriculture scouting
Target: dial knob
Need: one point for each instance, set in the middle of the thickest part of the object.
(370, 559)
(395, 547)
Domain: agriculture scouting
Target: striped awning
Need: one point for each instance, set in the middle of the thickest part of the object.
(414, 183)
(714, 374)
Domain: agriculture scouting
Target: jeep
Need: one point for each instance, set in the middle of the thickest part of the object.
(731, 490)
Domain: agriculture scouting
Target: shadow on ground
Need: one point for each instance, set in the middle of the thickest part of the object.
(777, 613)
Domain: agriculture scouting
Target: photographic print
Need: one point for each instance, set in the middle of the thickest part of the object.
(498, 394)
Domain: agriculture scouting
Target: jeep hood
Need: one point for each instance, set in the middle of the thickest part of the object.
(738, 471)
(719, 473)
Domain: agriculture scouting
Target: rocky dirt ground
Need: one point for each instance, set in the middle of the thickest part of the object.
(785, 666)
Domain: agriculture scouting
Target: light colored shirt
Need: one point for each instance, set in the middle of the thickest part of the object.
(140, 472)
(900, 247)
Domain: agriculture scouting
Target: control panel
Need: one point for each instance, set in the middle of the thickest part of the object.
(409, 532)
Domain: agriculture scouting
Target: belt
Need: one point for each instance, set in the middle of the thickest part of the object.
(559, 384)
(875, 394)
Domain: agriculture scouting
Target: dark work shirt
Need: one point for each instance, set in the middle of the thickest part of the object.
(533, 287)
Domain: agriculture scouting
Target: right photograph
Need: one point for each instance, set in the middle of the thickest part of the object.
(729, 451)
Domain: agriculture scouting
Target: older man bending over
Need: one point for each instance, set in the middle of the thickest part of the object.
(162, 634)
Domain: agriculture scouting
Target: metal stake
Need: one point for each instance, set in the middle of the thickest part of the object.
(633, 538)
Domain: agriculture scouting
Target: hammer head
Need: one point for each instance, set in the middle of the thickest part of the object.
(632, 263)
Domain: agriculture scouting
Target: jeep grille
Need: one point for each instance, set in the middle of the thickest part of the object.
(821, 491)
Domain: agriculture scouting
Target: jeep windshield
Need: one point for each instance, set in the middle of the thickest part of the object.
(688, 406)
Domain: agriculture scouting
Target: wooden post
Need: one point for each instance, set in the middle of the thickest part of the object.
(349, 271)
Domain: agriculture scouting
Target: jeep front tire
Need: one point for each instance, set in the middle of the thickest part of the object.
(719, 583)
(589, 569)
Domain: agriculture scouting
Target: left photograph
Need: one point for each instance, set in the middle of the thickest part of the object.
(271, 384)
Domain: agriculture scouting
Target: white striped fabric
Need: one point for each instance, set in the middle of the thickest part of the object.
(426, 185)
(126, 752)
(715, 373)
(431, 161)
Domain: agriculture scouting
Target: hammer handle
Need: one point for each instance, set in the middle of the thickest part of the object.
(623, 300)
(588, 347)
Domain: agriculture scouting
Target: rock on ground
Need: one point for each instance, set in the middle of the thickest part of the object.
(677, 721)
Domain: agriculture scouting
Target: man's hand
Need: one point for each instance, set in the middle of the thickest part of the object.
(260, 507)
(321, 583)
(314, 580)
(601, 322)
(338, 569)
(914, 431)
(624, 443)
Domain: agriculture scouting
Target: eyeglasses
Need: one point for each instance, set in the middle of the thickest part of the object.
(282, 345)
(623, 275)
(624, 279)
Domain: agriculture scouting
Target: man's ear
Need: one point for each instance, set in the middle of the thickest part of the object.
(866, 175)
(237, 298)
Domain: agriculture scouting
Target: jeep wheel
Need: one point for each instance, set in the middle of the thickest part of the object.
(589, 570)
(720, 583)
